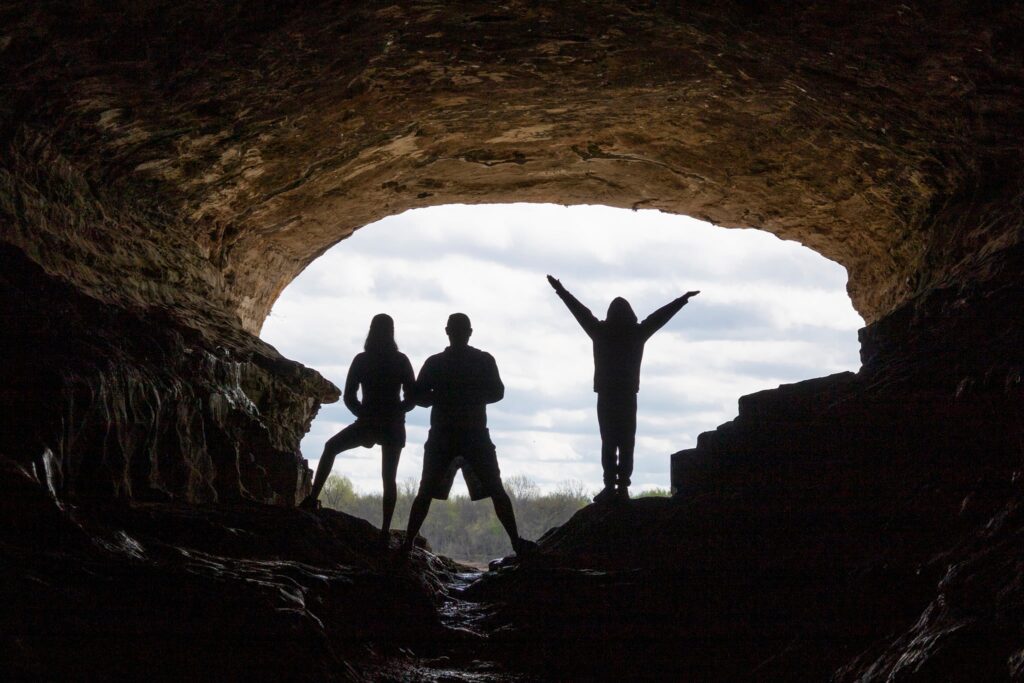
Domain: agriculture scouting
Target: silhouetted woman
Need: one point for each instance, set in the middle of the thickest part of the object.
(618, 351)
(386, 378)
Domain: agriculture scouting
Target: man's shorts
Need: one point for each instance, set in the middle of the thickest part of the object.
(473, 452)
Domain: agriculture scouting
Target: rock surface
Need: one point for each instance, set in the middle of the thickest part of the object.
(167, 168)
(169, 592)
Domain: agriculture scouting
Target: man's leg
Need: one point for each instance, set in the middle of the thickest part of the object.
(435, 481)
(609, 462)
(418, 513)
(347, 438)
(389, 471)
(625, 468)
(503, 509)
(483, 478)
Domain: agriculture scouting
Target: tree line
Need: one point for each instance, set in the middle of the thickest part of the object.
(463, 529)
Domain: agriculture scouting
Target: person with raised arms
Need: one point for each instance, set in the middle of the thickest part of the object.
(618, 351)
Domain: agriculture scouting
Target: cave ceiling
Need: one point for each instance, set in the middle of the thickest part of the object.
(253, 136)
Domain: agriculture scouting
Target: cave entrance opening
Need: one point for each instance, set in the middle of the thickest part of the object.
(770, 312)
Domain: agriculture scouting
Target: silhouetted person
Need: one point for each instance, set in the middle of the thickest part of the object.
(381, 371)
(618, 351)
(457, 384)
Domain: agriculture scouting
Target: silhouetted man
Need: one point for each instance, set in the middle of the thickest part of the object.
(618, 351)
(457, 384)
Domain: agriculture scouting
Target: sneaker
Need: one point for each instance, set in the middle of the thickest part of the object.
(622, 493)
(606, 495)
(310, 504)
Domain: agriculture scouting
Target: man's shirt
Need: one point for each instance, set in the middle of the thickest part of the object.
(458, 383)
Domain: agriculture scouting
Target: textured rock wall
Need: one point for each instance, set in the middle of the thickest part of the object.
(134, 403)
(170, 592)
(883, 135)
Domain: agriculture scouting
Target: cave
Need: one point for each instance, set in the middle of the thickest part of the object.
(168, 168)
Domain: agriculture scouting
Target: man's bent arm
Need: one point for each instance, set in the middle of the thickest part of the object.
(493, 390)
(424, 391)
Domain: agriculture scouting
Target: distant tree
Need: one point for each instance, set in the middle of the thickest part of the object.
(572, 489)
(521, 487)
(338, 493)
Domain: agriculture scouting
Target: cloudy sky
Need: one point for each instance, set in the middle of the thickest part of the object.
(769, 312)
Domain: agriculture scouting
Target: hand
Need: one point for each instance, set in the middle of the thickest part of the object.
(686, 297)
(556, 283)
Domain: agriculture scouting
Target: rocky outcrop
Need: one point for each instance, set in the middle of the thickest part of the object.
(880, 508)
(857, 527)
(134, 403)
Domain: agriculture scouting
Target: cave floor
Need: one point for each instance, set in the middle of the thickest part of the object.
(717, 586)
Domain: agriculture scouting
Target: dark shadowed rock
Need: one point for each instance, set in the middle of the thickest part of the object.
(151, 408)
(161, 591)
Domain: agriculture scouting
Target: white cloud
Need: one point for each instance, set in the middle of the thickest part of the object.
(769, 312)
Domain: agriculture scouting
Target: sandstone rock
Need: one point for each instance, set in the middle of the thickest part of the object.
(231, 148)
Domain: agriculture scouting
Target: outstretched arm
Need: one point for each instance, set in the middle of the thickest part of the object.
(655, 321)
(583, 316)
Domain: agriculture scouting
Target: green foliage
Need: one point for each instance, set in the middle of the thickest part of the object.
(338, 493)
(460, 528)
(655, 493)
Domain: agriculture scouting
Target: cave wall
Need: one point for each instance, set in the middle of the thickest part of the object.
(104, 401)
(123, 373)
(170, 167)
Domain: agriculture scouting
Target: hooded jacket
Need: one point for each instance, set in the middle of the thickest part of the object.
(618, 340)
